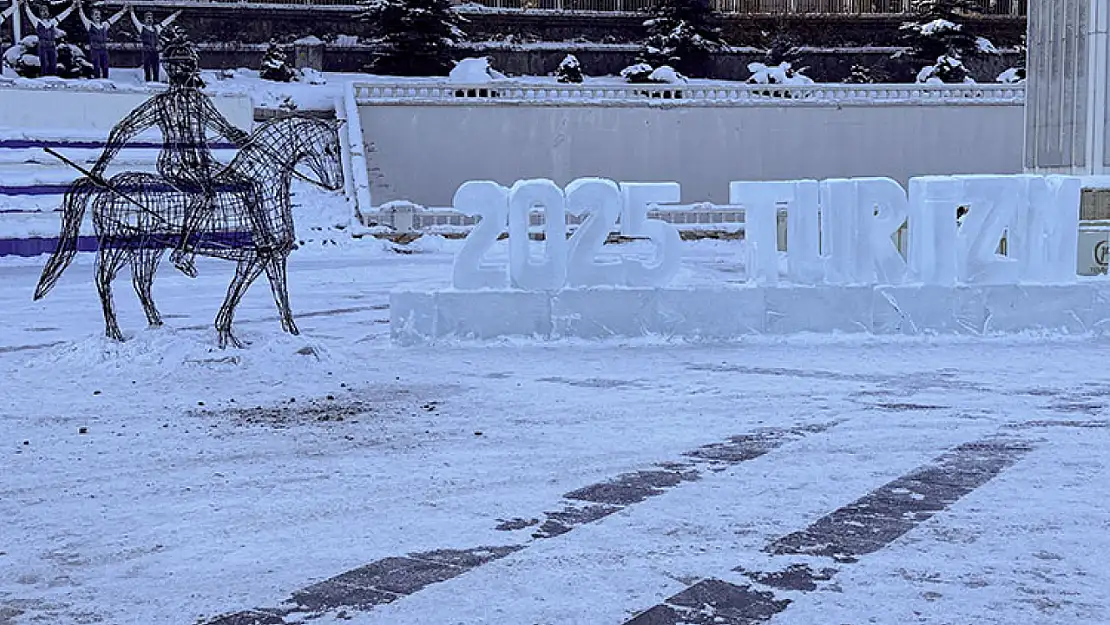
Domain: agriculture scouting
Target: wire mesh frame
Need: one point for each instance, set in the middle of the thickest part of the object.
(242, 212)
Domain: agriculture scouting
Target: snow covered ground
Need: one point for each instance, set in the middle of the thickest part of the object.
(165, 481)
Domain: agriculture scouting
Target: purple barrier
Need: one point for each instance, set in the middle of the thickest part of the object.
(23, 144)
(38, 189)
(60, 189)
(36, 246)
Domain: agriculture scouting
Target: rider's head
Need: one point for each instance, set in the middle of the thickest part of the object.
(181, 63)
(148, 17)
(44, 12)
(96, 15)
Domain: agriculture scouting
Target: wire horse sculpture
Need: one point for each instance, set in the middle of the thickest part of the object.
(240, 212)
(140, 216)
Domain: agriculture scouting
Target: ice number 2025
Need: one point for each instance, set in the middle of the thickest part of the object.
(576, 262)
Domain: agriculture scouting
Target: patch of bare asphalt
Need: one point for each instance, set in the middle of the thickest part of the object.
(346, 405)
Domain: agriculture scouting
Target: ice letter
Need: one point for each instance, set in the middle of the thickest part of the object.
(932, 227)
(804, 263)
(489, 201)
(663, 236)
(601, 201)
(992, 202)
(551, 273)
(1051, 229)
(638, 196)
(845, 222)
(760, 201)
(886, 200)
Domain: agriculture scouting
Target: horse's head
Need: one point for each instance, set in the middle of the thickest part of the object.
(319, 150)
(288, 142)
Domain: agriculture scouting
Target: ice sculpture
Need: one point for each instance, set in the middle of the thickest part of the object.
(600, 200)
(551, 272)
(992, 204)
(638, 197)
(490, 202)
(804, 262)
(887, 200)
(931, 250)
(761, 202)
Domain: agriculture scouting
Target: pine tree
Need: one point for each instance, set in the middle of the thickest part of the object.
(414, 37)
(275, 64)
(569, 71)
(1017, 72)
(861, 75)
(939, 42)
(681, 34)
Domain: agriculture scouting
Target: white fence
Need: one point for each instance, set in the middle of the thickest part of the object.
(405, 218)
(692, 94)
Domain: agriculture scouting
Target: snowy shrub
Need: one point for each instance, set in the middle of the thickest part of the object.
(1016, 74)
(947, 69)
(781, 74)
(638, 73)
(413, 37)
(569, 70)
(666, 74)
(474, 71)
(275, 64)
(1012, 76)
(681, 34)
(23, 57)
(937, 43)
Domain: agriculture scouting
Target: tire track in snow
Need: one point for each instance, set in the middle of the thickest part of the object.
(389, 579)
(864, 526)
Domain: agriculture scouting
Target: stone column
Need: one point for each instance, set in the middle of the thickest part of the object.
(308, 53)
(1067, 121)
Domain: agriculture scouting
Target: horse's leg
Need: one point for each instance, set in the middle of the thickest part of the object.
(245, 273)
(144, 264)
(275, 271)
(109, 258)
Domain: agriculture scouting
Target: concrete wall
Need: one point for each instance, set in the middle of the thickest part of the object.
(91, 111)
(423, 153)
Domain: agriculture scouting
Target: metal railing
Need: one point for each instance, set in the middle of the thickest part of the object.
(1014, 8)
(695, 94)
(405, 217)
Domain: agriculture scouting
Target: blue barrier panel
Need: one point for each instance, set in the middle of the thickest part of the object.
(37, 246)
(23, 144)
(38, 189)
(60, 189)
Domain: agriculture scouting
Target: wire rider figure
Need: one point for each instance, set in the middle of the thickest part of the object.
(46, 28)
(98, 37)
(150, 35)
(183, 114)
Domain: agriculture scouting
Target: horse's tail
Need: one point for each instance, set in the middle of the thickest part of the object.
(73, 212)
